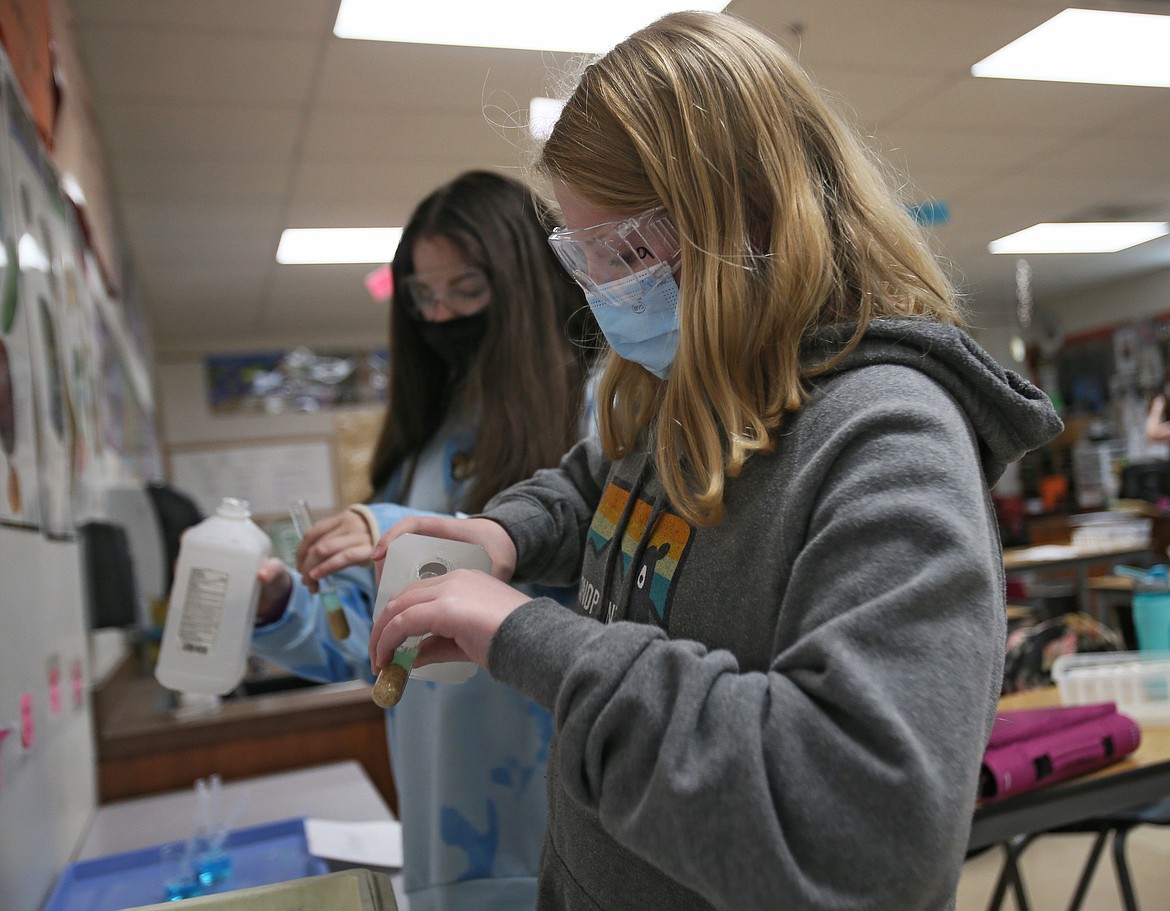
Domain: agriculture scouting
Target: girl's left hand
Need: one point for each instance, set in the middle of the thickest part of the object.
(462, 610)
(275, 586)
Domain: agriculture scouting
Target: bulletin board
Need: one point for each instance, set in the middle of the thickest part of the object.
(355, 436)
(269, 474)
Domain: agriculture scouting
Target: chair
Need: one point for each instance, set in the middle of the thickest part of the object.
(110, 595)
(1118, 824)
(176, 512)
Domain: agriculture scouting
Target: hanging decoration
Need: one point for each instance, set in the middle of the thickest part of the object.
(1024, 293)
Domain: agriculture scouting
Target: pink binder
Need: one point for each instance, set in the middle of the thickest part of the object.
(1031, 748)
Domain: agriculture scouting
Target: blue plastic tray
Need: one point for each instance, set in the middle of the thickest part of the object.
(260, 855)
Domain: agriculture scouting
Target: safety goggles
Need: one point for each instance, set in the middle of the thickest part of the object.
(463, 294)
(644, 245)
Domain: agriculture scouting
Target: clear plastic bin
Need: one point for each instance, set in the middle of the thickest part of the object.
(261, 855)
(1138, 682)
(1132, 533)
(348, 890)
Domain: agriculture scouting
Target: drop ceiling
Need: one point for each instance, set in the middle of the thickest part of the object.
(223, 122)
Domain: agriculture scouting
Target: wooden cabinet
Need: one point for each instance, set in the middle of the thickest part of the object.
(144, 746)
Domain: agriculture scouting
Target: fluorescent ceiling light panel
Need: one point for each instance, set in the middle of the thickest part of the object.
(1080, 237)
(31, 255)
(338, 245)
(1081, 45)
(543, 114)
(541, 25)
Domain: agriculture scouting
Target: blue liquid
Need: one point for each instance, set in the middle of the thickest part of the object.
(214, 868)
(187, 887)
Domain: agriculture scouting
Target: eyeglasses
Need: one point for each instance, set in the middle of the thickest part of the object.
(464, 294)
(615, 250)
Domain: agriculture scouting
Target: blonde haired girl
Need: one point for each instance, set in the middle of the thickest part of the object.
(783, 665)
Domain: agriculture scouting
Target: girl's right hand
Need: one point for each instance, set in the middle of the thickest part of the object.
(487, 534)
(331, 545)
(1157, 428)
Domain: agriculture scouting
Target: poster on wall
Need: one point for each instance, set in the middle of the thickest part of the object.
(269, 474)
(295, 380)
(82, 380)
(126, 427)
(28, 40)
(112, 388)
(77, 335)
(147, 460)
(19, 477)
(37, 203)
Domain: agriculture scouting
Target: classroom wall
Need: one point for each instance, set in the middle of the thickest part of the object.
(268, 459)
(49, 784)
(48, 790)
(1114, 304)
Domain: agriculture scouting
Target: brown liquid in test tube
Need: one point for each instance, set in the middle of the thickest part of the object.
(298, 510)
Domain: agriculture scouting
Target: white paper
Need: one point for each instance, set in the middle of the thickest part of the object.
(371, 844)
(1048, 552)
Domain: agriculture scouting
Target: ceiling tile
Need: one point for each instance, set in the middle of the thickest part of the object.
(1021, 106)
(195, 179)
(430, 78)
(224, 122)
(296, 17)
(195, 65)
(247, 132)
(909, 34)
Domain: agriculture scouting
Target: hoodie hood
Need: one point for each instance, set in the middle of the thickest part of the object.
(1009, 414)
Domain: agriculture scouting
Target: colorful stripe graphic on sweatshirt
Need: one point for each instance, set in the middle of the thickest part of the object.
(658, 550)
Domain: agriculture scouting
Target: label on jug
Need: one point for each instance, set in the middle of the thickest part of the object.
(203, 609)
(204, 646)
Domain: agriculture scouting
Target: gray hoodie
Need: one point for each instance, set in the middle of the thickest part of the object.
(785, 710)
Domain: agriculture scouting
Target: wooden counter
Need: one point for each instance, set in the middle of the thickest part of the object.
(144, 746)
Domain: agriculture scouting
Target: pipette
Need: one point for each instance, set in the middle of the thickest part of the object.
(338, 625)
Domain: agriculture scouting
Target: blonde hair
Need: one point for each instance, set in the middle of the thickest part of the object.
(786, 226)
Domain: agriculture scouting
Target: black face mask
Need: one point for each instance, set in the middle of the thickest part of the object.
(456, 341)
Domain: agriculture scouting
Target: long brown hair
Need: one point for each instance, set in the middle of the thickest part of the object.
(785, 224)
(527, 382)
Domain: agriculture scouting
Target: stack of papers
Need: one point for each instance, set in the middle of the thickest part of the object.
(368, 844)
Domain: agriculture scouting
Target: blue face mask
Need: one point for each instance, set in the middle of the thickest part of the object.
(639, 316)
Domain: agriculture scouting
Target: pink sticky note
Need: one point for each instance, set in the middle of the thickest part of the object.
(380, 284)
(28, 730)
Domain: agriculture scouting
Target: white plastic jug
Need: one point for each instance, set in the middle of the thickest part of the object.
(213, 603)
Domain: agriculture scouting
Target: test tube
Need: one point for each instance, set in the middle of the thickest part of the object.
(391, 682)
(338, 625)
(392, 678)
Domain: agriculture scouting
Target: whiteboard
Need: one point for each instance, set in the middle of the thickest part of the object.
(268, 476)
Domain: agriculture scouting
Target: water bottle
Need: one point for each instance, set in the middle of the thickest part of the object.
(213, 603)
(1151, 606)
(1151, 610)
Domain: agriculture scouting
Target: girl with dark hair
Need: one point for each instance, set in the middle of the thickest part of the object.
(490, 348)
